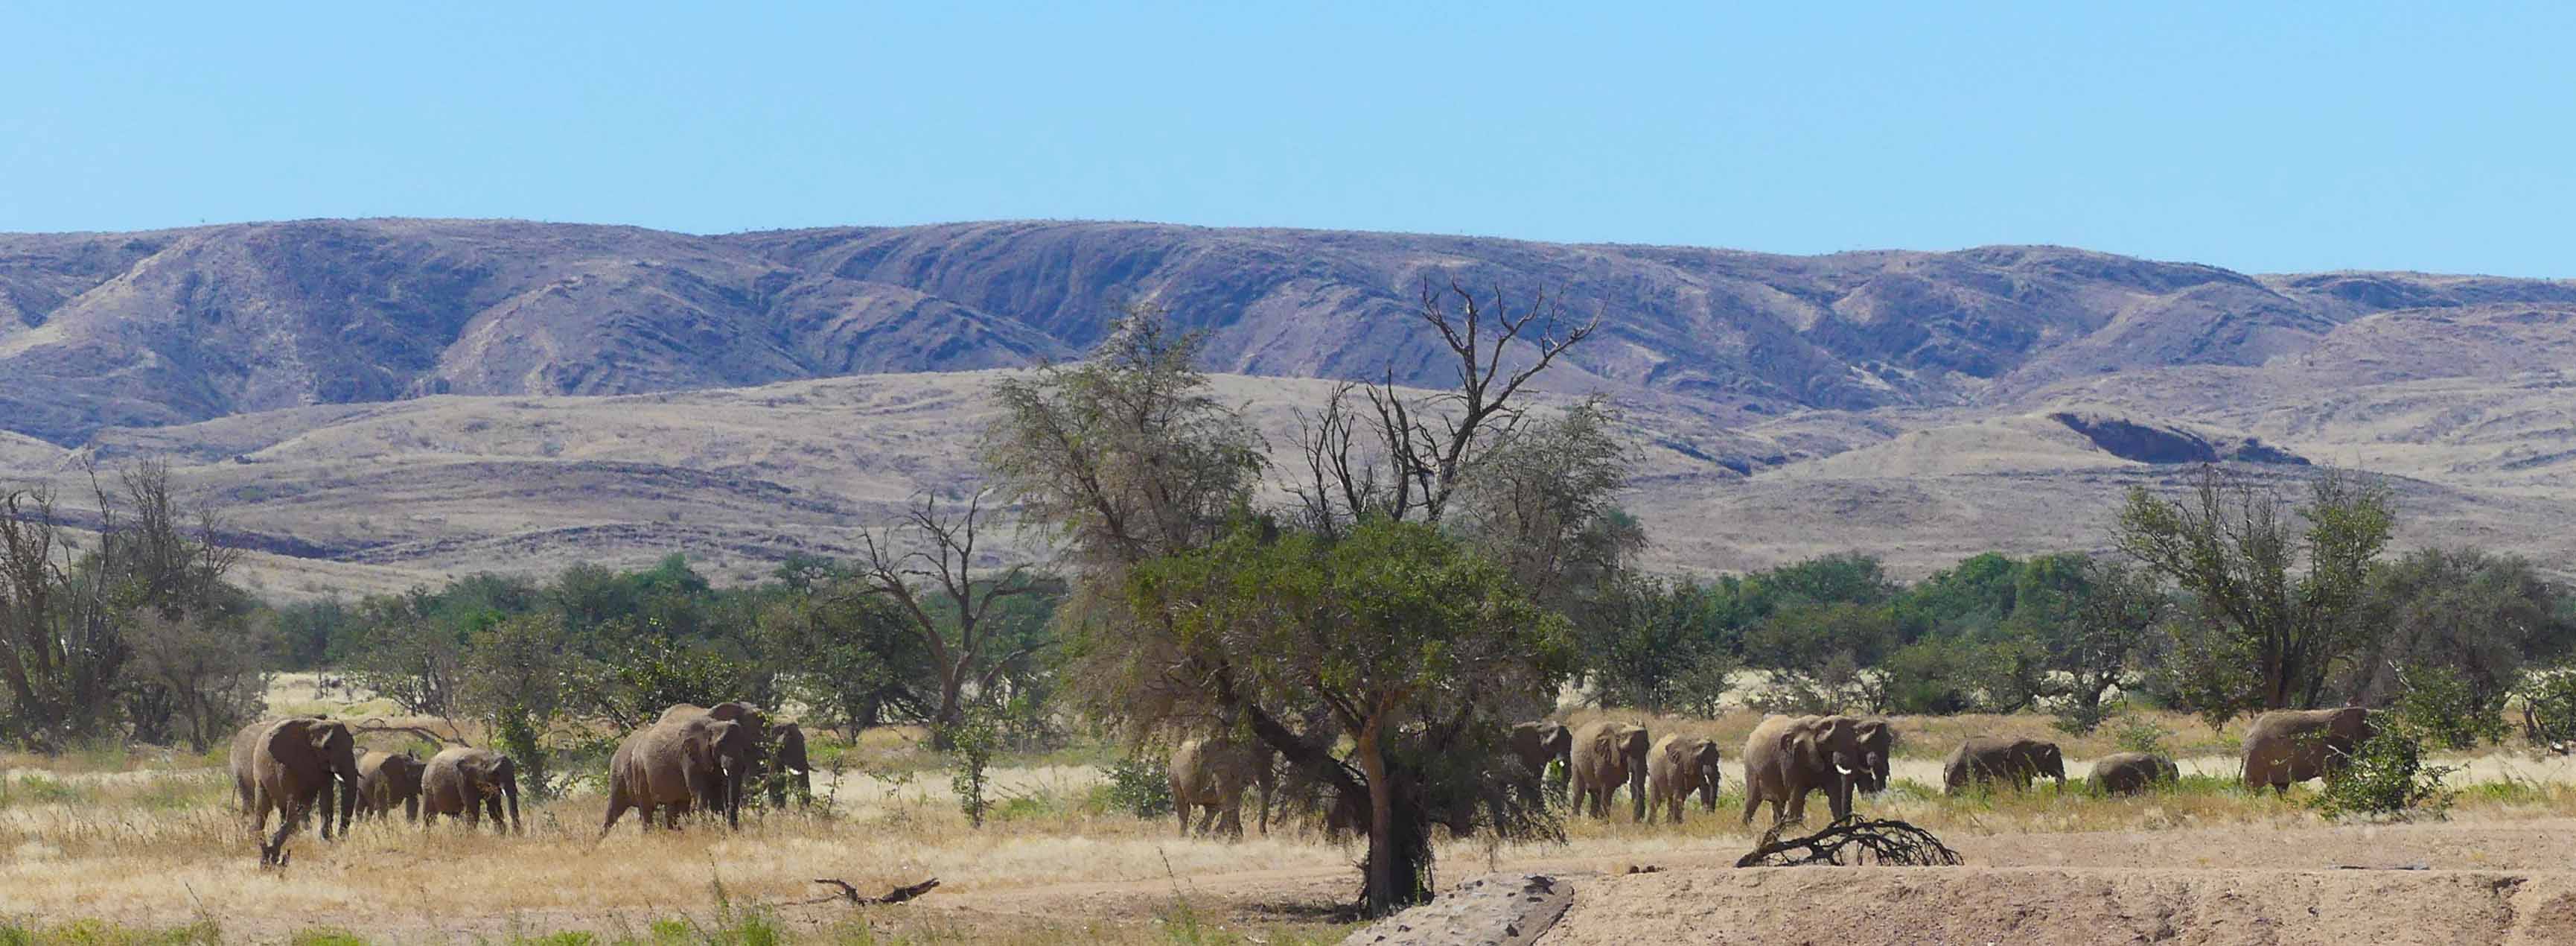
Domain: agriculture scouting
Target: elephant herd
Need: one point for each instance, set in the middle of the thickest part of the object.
(690, 758)
(1785, 759)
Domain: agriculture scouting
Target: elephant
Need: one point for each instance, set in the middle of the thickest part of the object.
(387, 778)
(2128, 773)
(671, 765)
(1678, 766)
(788, 755)
(725, 796)
(289, 765)
(464, 782)
(1212, 774)
(1877, 744)
(1786, 757)
(1987, 759)
(1538, 743)
(2288, 746)
(1606, 755)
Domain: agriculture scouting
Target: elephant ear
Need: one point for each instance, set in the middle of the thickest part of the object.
(289, 737)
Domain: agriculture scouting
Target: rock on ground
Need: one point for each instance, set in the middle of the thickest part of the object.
(1496, 910)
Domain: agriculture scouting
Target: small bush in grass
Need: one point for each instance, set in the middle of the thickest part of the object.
(2138, 733)
(1139, 785)
(971, 745)
(2386, 776)
(326, 936)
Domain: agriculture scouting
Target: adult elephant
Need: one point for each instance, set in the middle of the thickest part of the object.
(2287, 746)
(386, 779)
(2129, 773)
(786, 754)
(1877, 743)
(725, 796)
(1211, 775)
(1538, 743)
(288, 765)
(1678, 766)
(1787, 757)
(669, 766)
(1985, 760)
(465, 782)
(1608, 754)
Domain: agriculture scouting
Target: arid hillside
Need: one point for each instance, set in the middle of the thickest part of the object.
(376, 403)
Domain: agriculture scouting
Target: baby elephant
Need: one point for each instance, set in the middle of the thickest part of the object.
(465, 782)
(1678, 766)
(2129, 773)
(1990, 759)
(386, 779)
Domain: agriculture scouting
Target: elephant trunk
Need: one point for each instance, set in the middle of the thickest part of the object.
(348, 801)
(510, 790)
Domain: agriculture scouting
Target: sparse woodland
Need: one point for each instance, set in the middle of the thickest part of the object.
(1442, 566)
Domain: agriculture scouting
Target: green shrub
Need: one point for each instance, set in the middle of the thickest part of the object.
(2386, 775)
(2549, 706)
(1140, 785)
(2441, 707)
(2135, 733)
(971, 744)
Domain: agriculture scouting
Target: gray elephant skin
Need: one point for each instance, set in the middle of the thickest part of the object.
(291, 766)
(1788, 757)
(669, 766)
(2289, 746)
(2130, 773)
(466, 782)
(1608, 754)
(1540, 742)
(1988, 760)
(1677, 767)
(725, 796)
(386, 779)
(787, 754)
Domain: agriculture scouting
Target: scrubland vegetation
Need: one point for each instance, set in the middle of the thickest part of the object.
(1436, 569)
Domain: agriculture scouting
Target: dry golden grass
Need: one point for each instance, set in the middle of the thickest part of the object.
(147, 841)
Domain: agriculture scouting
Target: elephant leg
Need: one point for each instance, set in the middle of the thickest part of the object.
(258, 811)
(1182, 808)
(473, 810)
(1231, 822)
(804, 788)
(645, 813)
(1797, 804)
(323, 796)
(1752, 801)
(411, 809)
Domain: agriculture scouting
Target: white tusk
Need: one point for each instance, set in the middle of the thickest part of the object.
(1838, 767)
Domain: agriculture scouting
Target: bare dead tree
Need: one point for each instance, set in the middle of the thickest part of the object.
(938, 562)
(1403, 457)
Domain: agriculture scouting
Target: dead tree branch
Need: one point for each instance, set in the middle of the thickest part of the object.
(1882, 843)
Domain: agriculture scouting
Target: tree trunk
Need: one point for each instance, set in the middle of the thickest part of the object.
(1382, 894)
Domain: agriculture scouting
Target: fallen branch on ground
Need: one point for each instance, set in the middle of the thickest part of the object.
(1884, 843)
(851, 894)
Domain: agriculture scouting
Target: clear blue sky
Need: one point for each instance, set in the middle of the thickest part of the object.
(2263, 137)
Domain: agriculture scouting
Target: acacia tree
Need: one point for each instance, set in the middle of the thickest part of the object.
(1130, 461)
(2276, 603)
(937, 568)
(1408, 638)
(70, 620)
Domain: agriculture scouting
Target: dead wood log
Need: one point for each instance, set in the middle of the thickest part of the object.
(1885, 843)
(897, 895)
